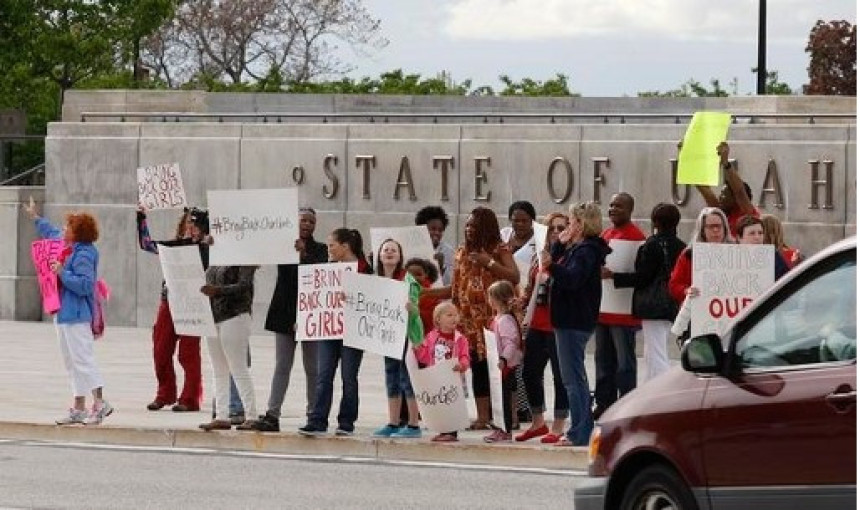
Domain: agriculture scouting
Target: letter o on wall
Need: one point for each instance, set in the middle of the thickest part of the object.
(298, 174)
(568, 174)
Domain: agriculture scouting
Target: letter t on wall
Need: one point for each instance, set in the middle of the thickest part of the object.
(365, 163)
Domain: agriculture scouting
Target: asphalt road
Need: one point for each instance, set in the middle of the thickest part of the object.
(66, 476)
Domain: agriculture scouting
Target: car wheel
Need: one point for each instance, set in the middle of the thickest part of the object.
(658, 488)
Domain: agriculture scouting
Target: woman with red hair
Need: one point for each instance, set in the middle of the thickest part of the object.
(77, 270)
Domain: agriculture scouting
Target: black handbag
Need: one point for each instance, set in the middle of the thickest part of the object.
(654, 302)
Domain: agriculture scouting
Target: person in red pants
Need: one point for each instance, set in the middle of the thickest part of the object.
(193, 228)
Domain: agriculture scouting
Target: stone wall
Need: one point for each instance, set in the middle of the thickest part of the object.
(92, 165)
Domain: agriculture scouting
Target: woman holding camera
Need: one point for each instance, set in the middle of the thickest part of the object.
(540, 349)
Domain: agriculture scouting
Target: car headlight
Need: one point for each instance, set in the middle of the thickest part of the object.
(594, 444)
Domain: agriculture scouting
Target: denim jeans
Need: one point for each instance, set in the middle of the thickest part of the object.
(329, 353)
(615, 363)
(571, 361)
(397, 381)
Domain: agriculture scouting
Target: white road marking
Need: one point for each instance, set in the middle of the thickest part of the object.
(304, 457)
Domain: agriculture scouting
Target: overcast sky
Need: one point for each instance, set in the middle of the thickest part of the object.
(605, 47)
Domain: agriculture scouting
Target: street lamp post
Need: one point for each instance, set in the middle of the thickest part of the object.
(762, 48)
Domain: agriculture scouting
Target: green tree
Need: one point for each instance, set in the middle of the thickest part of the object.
(832, 49)
(773, 86)
(694, 88)
(528, 87)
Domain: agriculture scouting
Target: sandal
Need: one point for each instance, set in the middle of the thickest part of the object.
(564, 442)
(444, 438)
(480, 425)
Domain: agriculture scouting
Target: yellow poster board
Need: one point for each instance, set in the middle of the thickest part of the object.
(698, 162)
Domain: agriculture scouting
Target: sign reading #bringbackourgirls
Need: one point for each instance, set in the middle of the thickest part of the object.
(183, 274)
(375, 314)
(43, 252)
(729, 277)
(160, 187)
(253, 226)
(320, 300)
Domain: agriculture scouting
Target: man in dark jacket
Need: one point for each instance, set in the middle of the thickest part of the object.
(281, 320)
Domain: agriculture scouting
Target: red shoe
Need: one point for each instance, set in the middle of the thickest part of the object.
(550, 438)
(532, 433)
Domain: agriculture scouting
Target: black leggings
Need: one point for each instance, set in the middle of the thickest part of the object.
(540, 349)
(509, 386)
(480, 376)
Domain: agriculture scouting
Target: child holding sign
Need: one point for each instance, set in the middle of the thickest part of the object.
(389, 264)
(501, 297)
(444, 342)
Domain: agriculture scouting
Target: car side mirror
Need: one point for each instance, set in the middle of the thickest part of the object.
(703, 354)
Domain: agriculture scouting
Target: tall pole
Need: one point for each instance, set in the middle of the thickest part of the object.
(762, 48)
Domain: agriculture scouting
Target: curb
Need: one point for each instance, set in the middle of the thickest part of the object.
(467, 451)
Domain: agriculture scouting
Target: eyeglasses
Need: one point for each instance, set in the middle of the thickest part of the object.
(558, 228)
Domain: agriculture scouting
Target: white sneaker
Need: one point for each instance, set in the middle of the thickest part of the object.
(75, 417)
(97, 415)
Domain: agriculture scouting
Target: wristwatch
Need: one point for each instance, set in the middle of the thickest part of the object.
(727, 165)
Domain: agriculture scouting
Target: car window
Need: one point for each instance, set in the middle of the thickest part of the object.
(817, 323)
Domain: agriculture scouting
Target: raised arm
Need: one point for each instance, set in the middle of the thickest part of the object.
(734, 181)
(143, 238)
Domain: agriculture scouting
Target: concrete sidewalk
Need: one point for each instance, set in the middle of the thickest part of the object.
(36, 391)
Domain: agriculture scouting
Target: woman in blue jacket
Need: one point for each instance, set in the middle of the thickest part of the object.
(575, 291)
(77, 271)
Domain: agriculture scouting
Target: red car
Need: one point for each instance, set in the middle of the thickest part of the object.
(762, 418)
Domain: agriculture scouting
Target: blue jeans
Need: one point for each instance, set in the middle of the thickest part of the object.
(397, 381)
(329, 353)
(571, 361)
(615, 363)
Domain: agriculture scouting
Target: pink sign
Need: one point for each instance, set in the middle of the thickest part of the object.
(43, 252)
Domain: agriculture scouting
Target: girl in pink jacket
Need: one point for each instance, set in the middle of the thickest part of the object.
(501, 297)
(444, 342)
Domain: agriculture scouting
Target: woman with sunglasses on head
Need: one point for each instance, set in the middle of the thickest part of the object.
(193, 228)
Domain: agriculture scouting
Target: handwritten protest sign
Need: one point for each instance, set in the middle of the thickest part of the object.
(495, 372)
(440, 394)
(253, 226)
(320, 300)
(43, 252)
(183, 275)
(160, 187)
(698, 162)
(415, 241)
(621, 260)
(729, 277)
(541, 233)
(374, 314)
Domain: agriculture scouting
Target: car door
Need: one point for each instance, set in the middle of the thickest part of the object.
(781, 431)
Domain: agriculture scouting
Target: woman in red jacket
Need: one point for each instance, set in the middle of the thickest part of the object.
(711, 227)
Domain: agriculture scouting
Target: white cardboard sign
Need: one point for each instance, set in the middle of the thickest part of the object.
(621, 260)
(160, 187)
(374, 314)
(495, 375)
(320, 300)
(253, 226)
(183, 274)
(729, 277)
(414, 240)
(440, 394)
